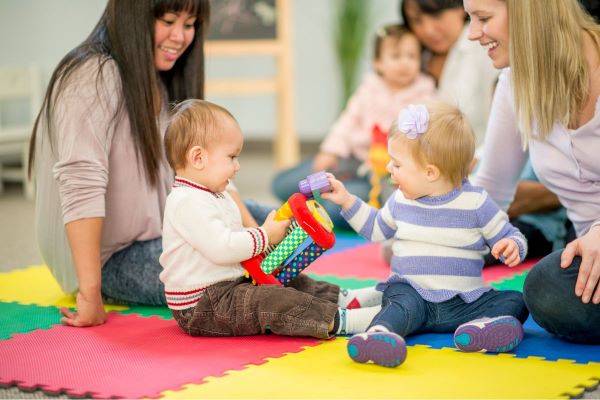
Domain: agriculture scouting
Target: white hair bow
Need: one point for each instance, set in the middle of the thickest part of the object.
(413, 120)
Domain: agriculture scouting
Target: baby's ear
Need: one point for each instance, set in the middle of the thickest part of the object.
(196, 157)
(432, 172)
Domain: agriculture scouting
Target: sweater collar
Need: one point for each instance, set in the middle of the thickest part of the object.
(182, 182)
(444, 198)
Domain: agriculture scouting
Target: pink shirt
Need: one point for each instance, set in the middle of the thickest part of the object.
(373, 103)
(566, 163)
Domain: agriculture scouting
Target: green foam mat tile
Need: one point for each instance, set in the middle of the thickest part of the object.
(513, 283)
(149, 311)
(20, 318)
(345, 283)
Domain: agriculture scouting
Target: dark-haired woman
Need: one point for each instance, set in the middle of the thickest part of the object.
(463, 72)
(97, 152)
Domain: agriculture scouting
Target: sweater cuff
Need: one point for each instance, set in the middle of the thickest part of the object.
(260, 240)
(522, 243)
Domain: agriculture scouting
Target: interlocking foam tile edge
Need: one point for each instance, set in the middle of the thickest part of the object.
(210, 378)
(217, 387)
(587, 385)
(49, 390)
(35, 285)
(73, 391)
(8, 330)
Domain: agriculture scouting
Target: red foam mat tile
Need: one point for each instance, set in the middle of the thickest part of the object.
(366, 262)
(129, 357)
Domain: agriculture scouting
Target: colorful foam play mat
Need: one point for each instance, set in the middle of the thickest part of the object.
(140, 351)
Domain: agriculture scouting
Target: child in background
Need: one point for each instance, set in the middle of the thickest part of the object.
(204, 243)
(442, 226)
(395, 83)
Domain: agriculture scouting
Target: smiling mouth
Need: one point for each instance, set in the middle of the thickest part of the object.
(490, 45)
(169, 50)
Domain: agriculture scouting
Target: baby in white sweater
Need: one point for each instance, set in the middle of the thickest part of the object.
(204, 242)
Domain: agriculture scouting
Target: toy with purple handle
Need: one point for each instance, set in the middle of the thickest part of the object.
(316, 182)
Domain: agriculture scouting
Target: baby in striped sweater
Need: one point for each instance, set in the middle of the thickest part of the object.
(441, 226)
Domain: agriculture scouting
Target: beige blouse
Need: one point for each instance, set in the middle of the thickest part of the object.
(91, 170)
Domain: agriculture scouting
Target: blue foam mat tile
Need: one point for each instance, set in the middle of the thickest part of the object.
(537, 342)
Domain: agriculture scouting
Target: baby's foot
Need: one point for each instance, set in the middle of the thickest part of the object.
(496, 335)
(383, 348)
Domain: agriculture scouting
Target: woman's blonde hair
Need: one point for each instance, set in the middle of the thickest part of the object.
(550, 74)
(448, 143)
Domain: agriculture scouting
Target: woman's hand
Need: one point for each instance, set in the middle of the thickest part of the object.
(90, 311)
(84, 239)
(588, 247)
(338, 195)
(325, 162)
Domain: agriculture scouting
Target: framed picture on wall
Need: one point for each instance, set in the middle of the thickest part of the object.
(243, 20)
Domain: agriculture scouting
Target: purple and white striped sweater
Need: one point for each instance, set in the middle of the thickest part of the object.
(439, 242)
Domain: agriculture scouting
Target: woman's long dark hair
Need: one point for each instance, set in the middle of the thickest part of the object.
(125, 34)
(430, 7)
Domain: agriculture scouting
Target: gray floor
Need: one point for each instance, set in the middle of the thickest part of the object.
(17, 238)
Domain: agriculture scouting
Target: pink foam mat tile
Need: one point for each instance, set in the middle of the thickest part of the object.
(366, 262)
(129, 356)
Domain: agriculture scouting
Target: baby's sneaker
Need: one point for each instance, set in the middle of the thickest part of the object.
(383, 348)
(496, 335)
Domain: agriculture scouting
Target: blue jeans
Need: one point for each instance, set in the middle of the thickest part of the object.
(404, 311)
(130, 276)
(550, 296)
(286, 182)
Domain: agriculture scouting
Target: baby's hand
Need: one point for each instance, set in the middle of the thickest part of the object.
(509, 250)
(275, 229)
(338, 195)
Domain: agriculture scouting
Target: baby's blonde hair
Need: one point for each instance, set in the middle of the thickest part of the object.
(193, 123)
(448, 143)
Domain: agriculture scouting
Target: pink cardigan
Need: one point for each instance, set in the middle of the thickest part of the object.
(373, 103)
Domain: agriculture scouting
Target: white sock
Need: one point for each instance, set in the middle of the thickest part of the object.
(358, 298)
(356, 320)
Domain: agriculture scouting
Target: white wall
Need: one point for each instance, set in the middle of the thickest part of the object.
(41, 32)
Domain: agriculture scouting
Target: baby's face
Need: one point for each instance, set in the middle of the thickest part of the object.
(406, 172)
(399, 62)
(223, 163)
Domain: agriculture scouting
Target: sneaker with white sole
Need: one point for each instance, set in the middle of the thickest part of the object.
(383, 348)
(495, 335)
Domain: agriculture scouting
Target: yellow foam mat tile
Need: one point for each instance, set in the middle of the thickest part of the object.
(36, 285)
(325, 371)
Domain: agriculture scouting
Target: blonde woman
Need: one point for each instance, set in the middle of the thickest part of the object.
(547, 104)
